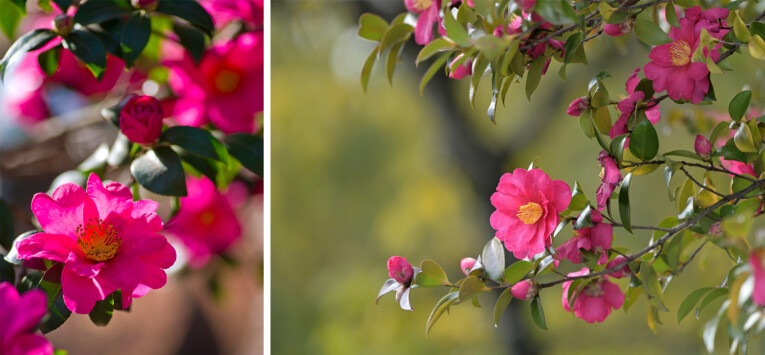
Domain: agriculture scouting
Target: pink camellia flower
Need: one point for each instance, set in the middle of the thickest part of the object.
(738, 167)
(226, 88)
(756, 260)
(624, 271)
(428, 10)
(105, 241)
(596, 239)
(19, 316)
(528, 203)
(702, 147)
(617, 29)
(141, 119)
(671, 68)
(610, 177)
(627, 107)
(206, 223)
(466, 264)
(578, 106)
(400, 270)
(524, 290)
(225, 11)
(597, 299)
(465, 69)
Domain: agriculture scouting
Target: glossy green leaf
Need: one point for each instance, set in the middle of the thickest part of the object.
(394, 34)
(730, 152)
(711, 296)
(191, 38)
(517, 271)
(102, 312)
(491, 46)
(247, 149)
(690, 301)
(624, 203)
(493, 259)
(431, 275)
(455, 31)
(196, 165)
(31, 41)
(683, 153)
(744, 139)
(644, 141)
(197, 141)
(584, 219)
(189, 11)
(651, 286)
(433, 69)
(534, 75)
(442, 306)
(437, 45)
(471, 286)
(58, 313)
(102, 10)
(160, 171)
(671, 16)
(739, 29)
(366, 71)
(49, 60)
(650, 33)
(502, 302)
(88, 48)
(10, 16)
(739, 104)
(537, 313)
(757, 47)
(392, 60)
(372, 27)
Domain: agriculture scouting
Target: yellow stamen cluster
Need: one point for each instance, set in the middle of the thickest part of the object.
(421, 5)
(680, 53)
(530, 213)
(98, 240)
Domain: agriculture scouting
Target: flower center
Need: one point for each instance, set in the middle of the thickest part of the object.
(680, 53)
(602, 173)
(421, 5)
(530, 213)
(98, 240)
(593, 289)
(226, 81)
(207, 218)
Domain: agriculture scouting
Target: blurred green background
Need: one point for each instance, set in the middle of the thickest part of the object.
(360, 177)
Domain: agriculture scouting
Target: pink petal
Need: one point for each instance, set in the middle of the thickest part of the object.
(123, 272)
(54, 247)
(62, 213)
(591, 309)
(30, 344)
(80, 293)
(613, 294)
(562, 195)
(423, 31)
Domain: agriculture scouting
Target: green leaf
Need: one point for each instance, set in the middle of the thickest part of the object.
(471, 286)
(21, 5)
(479, 67)
(191, 38)
(100, 11)
(517, 271)
(757, 47)
(558, 12)
(248, 149)
(584, 220)
(197, 165)
(394, 34)
(730, 152)
(650, 33)
(683, 153)
(7, 232)
(651, 286)
(433, 69)
(10, 16)
(431, 275)
(455, 31)
(537, 313)
(493, 259)
(31, 41)
(88, 48)
(390, 63)
(624, 203)
(367, 69)
(160, 171)
(491, 46)
(739, 29)
(502, 302)
(744, 140)
(196, 140)
(534, 75)
(102, 312)
(644, 142)
(690, 301)
(437, 45)
(715, 294)
(49, 60)
(190, 11)
(7, 272)
(671, 16)
(739, 104)
(442, 306)
(388, 286)
(372, 27)
(135, 36)
(58, 313)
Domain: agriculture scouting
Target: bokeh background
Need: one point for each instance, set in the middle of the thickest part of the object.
(360, 177)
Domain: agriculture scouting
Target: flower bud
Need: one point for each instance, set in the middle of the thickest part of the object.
(624, 271)
(524, 290)
(578, 106)
(148, 5)
(141, 119)
(467, 264)
(63, 24)
(465, 69)
(400, 270)
(702, 147)
(618, 29)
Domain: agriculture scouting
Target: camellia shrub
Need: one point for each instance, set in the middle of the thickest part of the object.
(181, 84)
(546, 223)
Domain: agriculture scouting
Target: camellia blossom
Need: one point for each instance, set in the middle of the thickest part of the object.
(702, 147)
(226, 88)
(756, 261)
(428, 11)
(528, 203)
(466, 264)
(206, 223)
(577, 107)
(465, 69)
(627, 107)
(105, 241)
(523, 290)
(624, 271)
(671, 68)
(225, 11)
(596, 239)
(141, 119)
(738, 167)
(617, 29)
(596, 300)
(400, 270)
(610, 177)
(19, 316)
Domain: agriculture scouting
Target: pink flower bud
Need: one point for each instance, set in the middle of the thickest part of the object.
(148, 5)
(578, 106)
(524, 290)
(465, 69)
(400, 269)
(624, 271)
(63, 24)
(467, 264)
(702, 147)
(619, 29)
(141, 119)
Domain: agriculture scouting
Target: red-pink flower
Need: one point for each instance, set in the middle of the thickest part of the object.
(225, 11)
(624, 271)
(627, 107)
(206, 223)
(400, 270)
(702, 147)
(596, 239)
(428, 16)
(524, 290)
(141, 119)
(577, 107)
(756, 260)
(596, 300)
(105, 241)
(738, 167)
(465, 69)
(671, 68)
(466, 264)
(528, 203)
(617, 29)
(19, 316)
(226, 88)
(610, 177)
